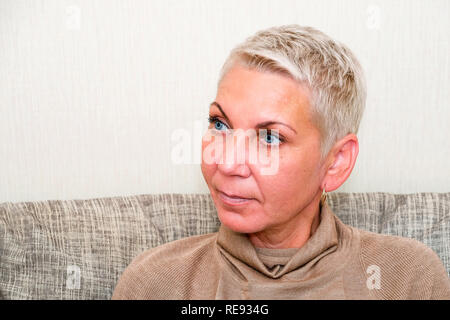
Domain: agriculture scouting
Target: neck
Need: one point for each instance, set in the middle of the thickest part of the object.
(291, 234)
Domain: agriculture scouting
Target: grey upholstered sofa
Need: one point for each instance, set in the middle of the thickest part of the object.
(77, 249)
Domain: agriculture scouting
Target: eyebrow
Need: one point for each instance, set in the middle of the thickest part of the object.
(259, 125)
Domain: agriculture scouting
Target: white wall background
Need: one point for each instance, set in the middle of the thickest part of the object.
(92, 91)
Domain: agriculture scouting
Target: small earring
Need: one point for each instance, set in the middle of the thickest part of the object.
(324, 195)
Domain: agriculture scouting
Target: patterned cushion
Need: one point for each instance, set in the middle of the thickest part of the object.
(77, 249)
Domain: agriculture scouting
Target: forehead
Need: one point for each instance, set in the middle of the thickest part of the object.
(263, 95)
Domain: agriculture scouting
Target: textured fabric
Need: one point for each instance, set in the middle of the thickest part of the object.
(41, 241)
(336, 262)
(275, 258)
(77, 249)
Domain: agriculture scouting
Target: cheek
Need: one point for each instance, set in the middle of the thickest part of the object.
(293, 183)
(207, 168)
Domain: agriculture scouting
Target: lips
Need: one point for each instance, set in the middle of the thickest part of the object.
(232, 199)
(234, 196)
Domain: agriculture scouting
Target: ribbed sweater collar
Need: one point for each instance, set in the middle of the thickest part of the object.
(237, 249)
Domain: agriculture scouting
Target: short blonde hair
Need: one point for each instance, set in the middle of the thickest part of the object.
(328, 68)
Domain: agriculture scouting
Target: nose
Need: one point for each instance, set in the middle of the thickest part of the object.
(235, 157)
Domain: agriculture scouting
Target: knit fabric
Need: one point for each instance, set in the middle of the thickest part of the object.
(337, 262)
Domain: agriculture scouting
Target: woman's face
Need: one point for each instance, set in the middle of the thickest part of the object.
(248, 98)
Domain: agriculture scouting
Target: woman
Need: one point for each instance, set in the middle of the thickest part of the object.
(299, 96)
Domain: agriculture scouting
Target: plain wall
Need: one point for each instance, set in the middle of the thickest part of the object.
(93, 93)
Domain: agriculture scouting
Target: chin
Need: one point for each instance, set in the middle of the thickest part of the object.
(239, 222)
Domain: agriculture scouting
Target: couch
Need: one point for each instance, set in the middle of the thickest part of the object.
(77, 249)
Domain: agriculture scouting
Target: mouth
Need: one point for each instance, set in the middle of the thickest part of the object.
(232, 199)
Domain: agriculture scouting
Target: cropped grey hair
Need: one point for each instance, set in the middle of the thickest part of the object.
(328, 68)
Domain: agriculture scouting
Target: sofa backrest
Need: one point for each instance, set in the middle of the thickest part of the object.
(77, 249)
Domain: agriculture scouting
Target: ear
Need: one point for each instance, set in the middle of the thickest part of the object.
(343, 159)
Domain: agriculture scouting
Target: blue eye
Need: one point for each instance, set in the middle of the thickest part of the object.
(218, 125)
(271, 139)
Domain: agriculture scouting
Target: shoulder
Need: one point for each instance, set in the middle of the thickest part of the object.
(408, 269)
(160, 271)
(384, 245)
(175, 250)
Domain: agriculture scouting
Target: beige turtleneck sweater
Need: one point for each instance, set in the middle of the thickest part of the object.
(337, 262)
